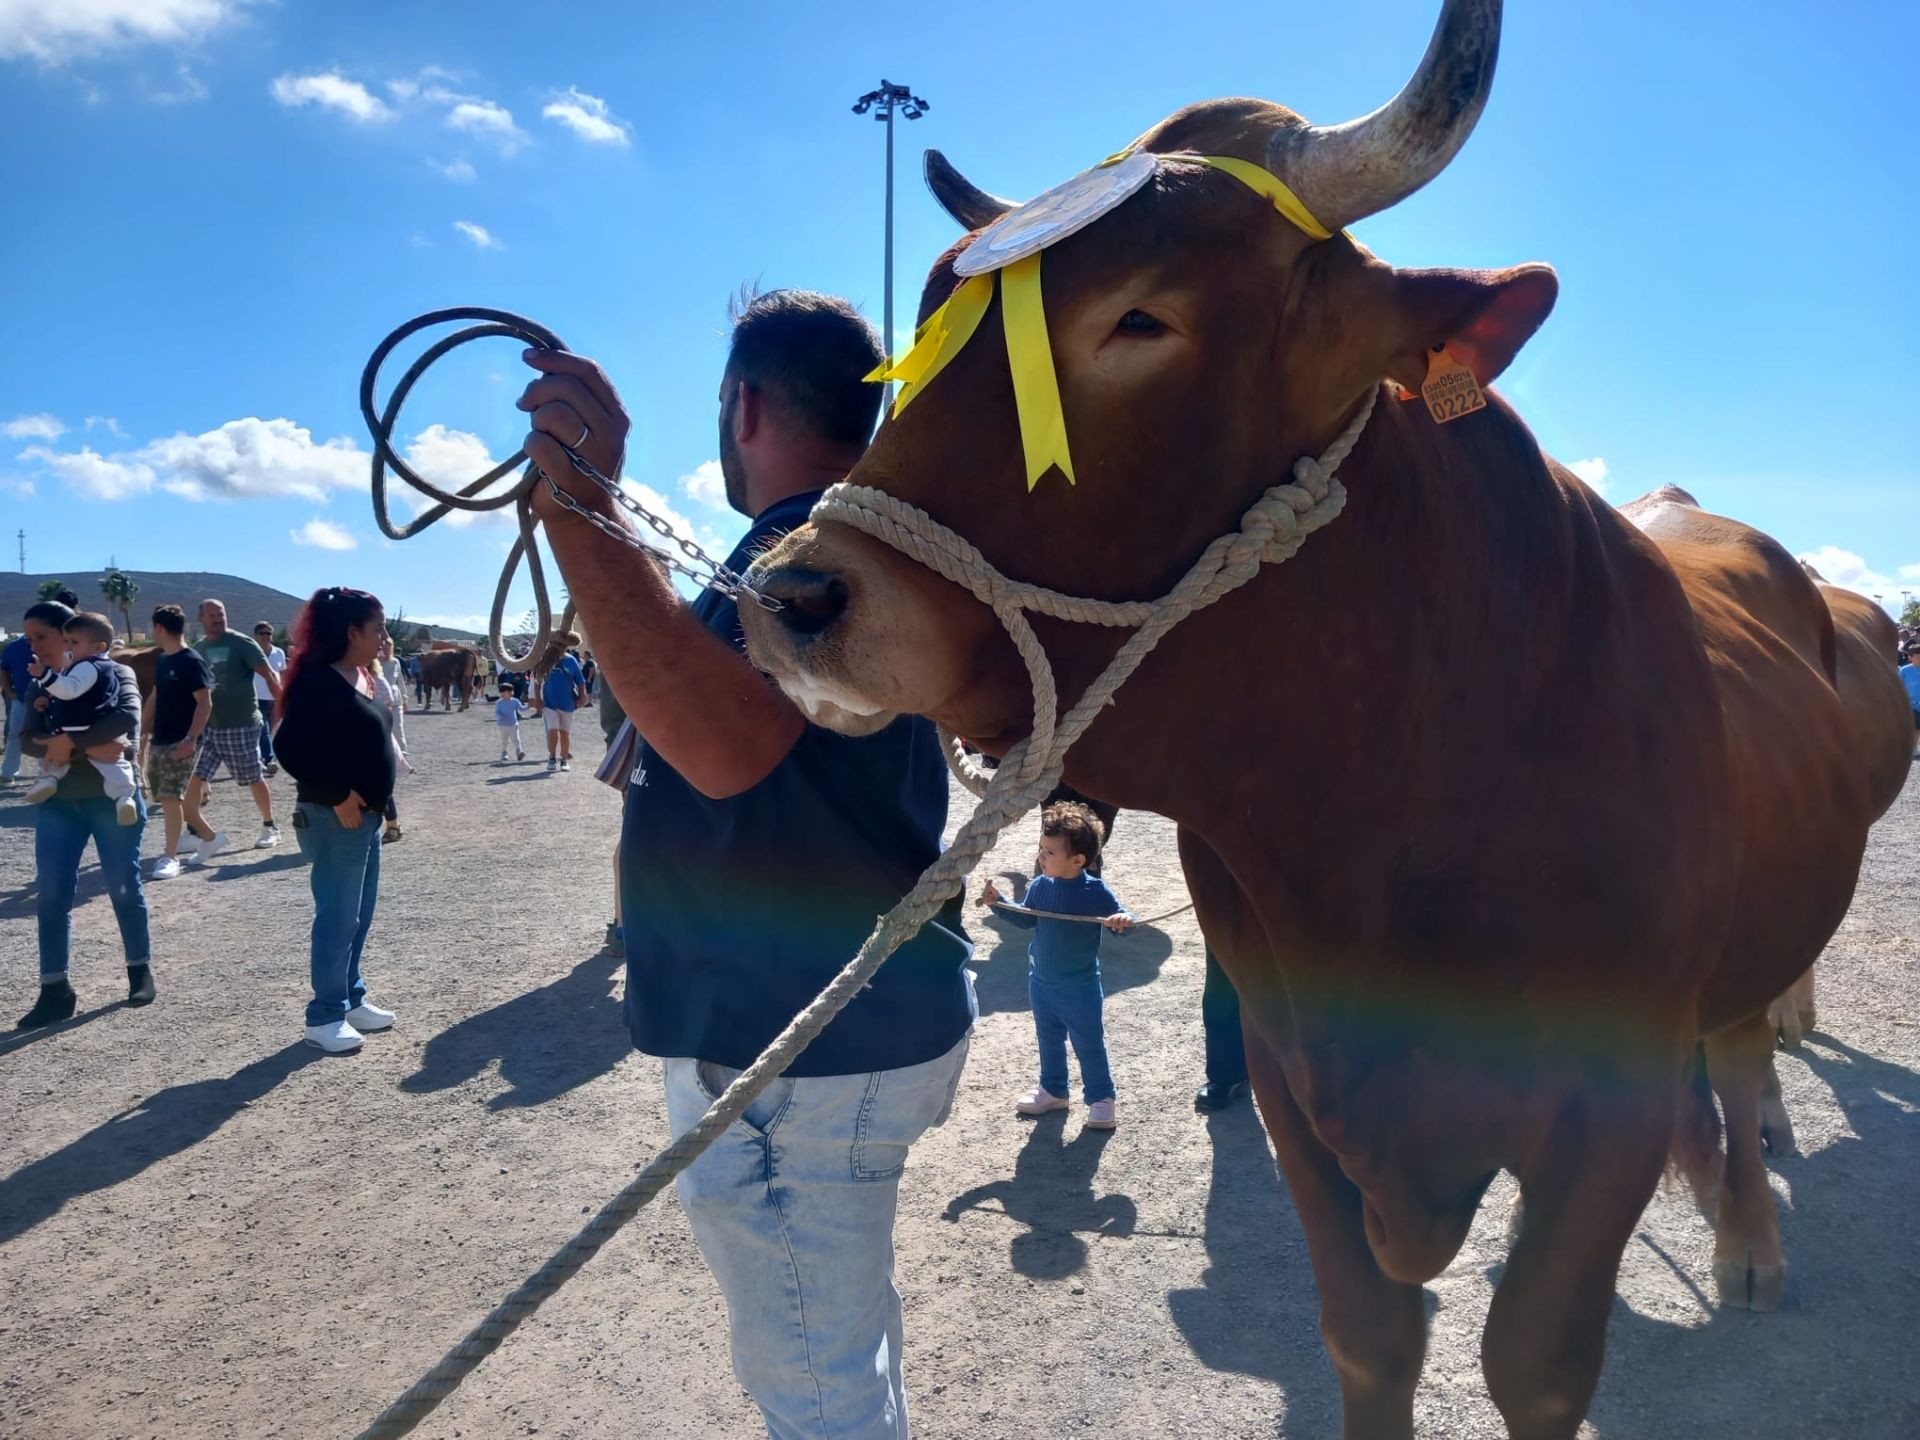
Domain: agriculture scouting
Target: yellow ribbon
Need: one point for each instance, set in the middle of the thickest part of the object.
(1036, 389)
(940, 337)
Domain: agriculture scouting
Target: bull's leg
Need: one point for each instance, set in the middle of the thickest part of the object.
(1749, 1269)
(1792, 1015)
(1546, 1330)
(1375, 1328)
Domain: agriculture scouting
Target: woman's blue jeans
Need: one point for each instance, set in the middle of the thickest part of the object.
(61, 829)
(346, 882)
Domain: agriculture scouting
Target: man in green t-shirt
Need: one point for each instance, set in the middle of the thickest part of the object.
(232, 736)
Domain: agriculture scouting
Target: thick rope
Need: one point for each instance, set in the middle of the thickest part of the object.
(1271, 531)
(1012, 909)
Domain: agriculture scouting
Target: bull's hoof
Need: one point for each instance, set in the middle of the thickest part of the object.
(1743, 1285)
(1516, 1218)
(1788, 1026)
(1776, 1128)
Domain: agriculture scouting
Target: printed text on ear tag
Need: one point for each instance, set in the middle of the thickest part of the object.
(1450, 389)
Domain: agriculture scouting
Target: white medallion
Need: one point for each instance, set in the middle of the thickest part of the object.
(1051, 217)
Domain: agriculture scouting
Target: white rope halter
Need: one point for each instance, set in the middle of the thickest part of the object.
(1270, 532)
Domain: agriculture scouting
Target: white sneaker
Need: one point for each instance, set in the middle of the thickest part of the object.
(41, 789)
(503, 757)
(1100, 1116)
(1039, 1102)
(268, 838)
(336, 1038)
(566, 765)
(125, 811)
(369, 1017)
(203, 849)
(165, 868)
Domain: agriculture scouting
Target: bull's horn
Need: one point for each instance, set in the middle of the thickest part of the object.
(965, 201)
(1347, 172)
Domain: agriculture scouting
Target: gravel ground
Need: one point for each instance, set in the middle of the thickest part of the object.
(208, 1230)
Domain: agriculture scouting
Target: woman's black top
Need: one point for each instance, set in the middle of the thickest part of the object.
(334, 739)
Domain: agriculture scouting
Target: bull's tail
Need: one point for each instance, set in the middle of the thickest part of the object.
(1696, 1156)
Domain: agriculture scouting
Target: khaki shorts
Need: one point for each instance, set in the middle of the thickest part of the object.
(166, 776)
(560, 721)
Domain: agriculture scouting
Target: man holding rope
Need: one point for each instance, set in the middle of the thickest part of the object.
(755, 853)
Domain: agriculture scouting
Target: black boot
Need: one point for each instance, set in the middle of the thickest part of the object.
(55, 1004)
(1217, 1095)
(140, 989)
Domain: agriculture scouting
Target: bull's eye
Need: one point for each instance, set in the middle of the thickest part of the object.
(1138, 323)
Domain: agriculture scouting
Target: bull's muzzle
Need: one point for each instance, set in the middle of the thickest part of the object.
(811, 601)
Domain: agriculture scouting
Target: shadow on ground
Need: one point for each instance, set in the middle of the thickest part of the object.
(1841, 1349)
(547, 1041)
(163, 1125)
(1051, 1197)
(1256, 1312)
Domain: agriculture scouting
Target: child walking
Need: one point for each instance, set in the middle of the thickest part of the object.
(1063, 980)
(507, 711)
(82, 695)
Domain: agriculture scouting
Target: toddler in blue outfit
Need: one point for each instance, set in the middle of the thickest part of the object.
(1063, 979)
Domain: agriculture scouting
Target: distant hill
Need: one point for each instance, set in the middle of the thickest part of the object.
(247, 602)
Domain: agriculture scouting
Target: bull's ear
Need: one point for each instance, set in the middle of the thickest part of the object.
(1482, 316)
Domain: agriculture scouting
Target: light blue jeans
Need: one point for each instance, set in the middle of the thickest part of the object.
(345, 880)
(17, 714)
(793, 1207)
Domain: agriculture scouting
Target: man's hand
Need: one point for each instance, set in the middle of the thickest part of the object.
(1119, 924)
(990, 895)
(185, 749)
(573, 404)
(350, 811)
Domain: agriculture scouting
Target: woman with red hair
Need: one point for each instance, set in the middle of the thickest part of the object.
(337, 743)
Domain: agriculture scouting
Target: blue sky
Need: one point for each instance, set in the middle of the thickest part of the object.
(216, 208)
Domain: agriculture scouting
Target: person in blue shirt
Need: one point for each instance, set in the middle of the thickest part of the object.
(1910, 676)
(755, 855)
(562, 690)
(1063, 980)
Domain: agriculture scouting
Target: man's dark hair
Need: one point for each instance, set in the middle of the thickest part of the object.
(808, 354)
(1073, 822)
(170, 618)
(91, 624)
(67, 598)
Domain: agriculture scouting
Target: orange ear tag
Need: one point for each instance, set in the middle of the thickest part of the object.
(1450, 389)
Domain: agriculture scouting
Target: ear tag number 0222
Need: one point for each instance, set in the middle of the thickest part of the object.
(1450, 389)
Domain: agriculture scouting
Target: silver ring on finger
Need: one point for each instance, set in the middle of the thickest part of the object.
(586, 433)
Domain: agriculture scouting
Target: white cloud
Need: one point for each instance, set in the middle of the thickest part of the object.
(483, 117)
(706, 485)
(588, 117)
(478, 234)
(653, 500)
(34, 427)
(323, 535)
(23, 488)
(477, 623)
(100, 476)
(55, 31)
(333, 91)
(1850, 572)
(241, 460)
(1593, 472)
(106, 423)
(453, 460)
(461, 170)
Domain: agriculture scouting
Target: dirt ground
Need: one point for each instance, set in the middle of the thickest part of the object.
(208, 1230)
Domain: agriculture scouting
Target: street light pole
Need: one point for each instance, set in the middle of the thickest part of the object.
(882, 103)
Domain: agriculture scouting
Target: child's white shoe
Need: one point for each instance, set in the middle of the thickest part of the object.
(41, 790)
(1039, 1102)
(1100, 1115)
(125, 811)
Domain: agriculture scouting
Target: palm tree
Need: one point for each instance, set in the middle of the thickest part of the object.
(121, 591)
(47, 589)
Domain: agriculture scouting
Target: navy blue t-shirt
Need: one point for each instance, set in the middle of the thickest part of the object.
(739, 911)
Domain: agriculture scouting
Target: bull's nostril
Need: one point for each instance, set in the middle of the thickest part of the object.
(810, 601)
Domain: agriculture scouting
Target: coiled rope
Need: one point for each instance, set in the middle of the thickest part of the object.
(1270, 532)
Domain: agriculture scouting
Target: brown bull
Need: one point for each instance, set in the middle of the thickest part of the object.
(448, 670)
(1493, 807)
